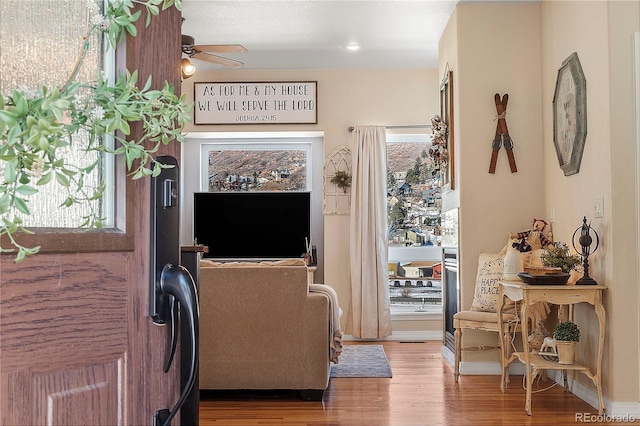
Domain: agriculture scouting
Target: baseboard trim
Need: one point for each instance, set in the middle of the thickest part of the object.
(489, 368)
(624, 411)
(448, 355)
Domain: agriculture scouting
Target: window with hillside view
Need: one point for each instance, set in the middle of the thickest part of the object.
(414, 212)
(253, 169)
(413, 196)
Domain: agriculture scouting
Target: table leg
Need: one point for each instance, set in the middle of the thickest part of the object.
(602, 321)
(524, 321)
(504, 378)
(506, 361)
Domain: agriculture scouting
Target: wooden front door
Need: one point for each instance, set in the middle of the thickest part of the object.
(77, 345)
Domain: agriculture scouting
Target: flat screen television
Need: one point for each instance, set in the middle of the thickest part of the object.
(252, 225)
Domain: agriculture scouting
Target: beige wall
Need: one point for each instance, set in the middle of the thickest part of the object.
(602, 35)
(345, 98)
(521, 57)
(487, 59)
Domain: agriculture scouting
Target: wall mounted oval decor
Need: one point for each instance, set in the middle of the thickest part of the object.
(570, 115)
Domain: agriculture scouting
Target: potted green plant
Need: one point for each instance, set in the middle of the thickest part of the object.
(566, 334)
(557, 255)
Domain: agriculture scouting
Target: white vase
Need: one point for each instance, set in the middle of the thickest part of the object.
(512, 265)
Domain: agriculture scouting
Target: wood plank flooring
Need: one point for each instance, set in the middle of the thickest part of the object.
(421, 392)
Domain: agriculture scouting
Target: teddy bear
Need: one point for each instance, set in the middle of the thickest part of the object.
(534, 238)
(538, 337)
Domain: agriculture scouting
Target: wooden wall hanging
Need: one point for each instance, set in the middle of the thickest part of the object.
(502, 135)
(336, 200)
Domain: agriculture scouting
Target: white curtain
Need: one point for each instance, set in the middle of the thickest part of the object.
(368, 315)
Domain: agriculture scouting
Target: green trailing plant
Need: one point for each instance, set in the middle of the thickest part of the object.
(557, 255)
(37, 125)
(567, 331)
(342, 180)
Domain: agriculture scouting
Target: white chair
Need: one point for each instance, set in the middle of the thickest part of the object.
(483, 321)
(483, 314)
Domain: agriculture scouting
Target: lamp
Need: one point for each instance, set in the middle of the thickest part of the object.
(187, 68)
(585, 241)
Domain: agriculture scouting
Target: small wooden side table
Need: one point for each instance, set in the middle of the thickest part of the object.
(557, 295)
(311, 273)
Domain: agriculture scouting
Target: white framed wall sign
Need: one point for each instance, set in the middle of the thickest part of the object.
(267, 102)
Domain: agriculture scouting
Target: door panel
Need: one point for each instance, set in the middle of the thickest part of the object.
(77, 345)
(64, 336)
(80, 396)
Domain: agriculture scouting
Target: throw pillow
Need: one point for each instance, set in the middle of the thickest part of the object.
(490, 268)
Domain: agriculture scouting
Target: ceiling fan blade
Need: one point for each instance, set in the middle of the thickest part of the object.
(223, 48)
(215, 59)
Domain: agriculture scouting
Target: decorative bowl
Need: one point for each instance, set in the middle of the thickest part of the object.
(556, 278)
(541, 270)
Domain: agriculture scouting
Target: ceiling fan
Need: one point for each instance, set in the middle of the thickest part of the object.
(202, 52)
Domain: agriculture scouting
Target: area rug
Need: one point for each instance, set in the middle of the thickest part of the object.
(362, 361)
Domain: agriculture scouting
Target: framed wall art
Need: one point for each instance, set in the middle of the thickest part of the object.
(266, 102)
(446, 112)
(570, 115)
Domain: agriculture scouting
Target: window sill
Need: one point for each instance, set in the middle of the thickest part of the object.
(399, 315)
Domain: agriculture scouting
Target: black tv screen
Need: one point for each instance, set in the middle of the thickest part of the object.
(252, 225)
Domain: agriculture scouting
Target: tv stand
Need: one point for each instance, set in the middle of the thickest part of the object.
(311, 273)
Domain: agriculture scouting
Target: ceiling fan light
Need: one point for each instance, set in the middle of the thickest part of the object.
(188, 69)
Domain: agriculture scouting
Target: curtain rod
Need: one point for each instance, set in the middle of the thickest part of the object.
(402, 126)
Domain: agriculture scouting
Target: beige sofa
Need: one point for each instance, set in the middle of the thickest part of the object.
(261, 328)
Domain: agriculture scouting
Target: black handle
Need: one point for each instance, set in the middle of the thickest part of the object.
(172, 291)
(177, 282)
(173, 344)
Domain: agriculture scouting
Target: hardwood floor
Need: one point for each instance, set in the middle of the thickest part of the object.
(421, 392)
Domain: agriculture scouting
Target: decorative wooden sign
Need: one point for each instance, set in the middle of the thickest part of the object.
(291, 102)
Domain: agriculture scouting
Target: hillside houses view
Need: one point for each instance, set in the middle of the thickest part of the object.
(257, 170)
(413, 196)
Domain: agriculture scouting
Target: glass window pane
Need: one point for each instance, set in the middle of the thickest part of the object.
(268, 166)
(40, 43)
(413, 196)
(414, 236)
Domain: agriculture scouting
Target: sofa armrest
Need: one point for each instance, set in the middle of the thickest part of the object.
(317, 340)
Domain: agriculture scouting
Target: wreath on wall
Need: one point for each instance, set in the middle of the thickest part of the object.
(342, 180)
(438, 152)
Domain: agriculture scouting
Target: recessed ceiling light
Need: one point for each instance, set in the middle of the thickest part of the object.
(353, 47)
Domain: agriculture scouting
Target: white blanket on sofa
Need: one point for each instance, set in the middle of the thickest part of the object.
(335, 333)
